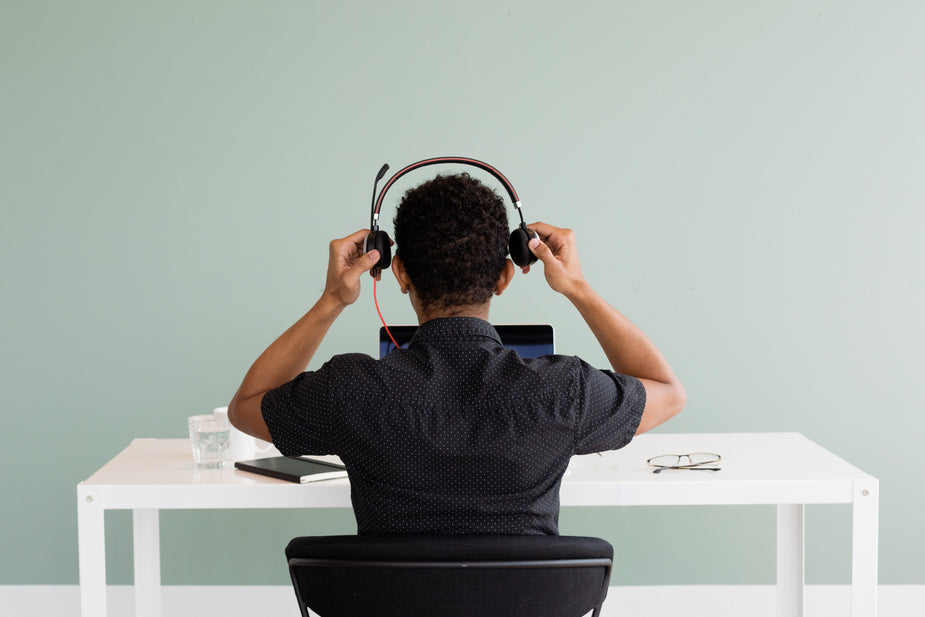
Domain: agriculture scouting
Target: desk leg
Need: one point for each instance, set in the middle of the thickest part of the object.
(91, 549)
(790, 576)
(147, 550)
(864, 548)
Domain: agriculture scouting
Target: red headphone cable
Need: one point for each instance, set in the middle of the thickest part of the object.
(376, 301)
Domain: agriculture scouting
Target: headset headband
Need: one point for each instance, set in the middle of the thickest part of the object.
(377, 202)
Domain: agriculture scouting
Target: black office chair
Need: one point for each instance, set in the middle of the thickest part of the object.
(444, 576)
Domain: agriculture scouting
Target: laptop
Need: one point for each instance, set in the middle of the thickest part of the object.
(529, 340)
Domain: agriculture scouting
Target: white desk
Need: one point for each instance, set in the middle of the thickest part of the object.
(785, 469)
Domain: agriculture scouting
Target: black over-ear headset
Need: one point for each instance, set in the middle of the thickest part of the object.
(379, 240)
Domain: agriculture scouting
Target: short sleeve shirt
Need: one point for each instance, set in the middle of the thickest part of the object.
(455, 434)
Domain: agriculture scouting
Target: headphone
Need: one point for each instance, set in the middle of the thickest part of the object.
(379, 240)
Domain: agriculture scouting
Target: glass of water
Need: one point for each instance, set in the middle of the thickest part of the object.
(209, 436)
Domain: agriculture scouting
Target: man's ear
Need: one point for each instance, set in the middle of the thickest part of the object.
(401, 275)
(507, 275)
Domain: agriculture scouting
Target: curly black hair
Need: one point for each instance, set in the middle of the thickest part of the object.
(452, 235)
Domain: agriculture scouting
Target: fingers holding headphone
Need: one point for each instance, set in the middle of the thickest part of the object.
(348, 260)
(558, 250)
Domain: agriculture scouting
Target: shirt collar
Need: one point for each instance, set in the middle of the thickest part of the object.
(455, 329)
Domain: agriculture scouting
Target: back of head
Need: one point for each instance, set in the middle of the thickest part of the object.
(451, 233)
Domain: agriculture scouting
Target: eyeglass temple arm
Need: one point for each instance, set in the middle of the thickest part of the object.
(661, 469)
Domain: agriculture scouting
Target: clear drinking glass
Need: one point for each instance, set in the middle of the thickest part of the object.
(209, 436)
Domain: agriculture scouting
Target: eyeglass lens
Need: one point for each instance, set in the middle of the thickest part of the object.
(683, 460)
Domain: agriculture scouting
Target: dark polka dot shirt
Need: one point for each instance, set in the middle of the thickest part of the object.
(455, 434)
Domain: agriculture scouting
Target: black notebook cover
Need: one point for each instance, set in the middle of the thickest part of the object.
(293, 468)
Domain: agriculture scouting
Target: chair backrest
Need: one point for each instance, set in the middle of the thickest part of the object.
(445, 576)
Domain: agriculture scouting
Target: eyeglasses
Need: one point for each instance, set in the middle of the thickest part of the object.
(694, 461)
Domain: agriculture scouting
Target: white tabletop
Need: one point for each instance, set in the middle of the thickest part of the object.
(758, 468)
(786, 469)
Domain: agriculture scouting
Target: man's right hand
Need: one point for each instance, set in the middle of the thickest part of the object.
(558, 251)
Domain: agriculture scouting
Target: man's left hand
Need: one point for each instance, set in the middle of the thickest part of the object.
(346, 264)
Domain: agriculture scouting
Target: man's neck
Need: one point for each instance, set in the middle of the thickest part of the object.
(479, 311)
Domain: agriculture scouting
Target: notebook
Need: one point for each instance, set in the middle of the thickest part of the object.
(529, 340)
(298, 469)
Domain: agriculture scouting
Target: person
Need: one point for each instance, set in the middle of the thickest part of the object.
(455, 434)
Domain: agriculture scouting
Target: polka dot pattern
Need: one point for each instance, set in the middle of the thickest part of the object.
(455, 434)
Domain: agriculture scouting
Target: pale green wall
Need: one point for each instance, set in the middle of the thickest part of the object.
(746, 180)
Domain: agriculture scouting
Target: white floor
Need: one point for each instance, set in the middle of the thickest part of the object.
(279, 601)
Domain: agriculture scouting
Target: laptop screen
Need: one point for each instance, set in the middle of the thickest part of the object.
(529, 340)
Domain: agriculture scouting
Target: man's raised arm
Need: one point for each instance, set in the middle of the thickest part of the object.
(288, 355)
(629, 351)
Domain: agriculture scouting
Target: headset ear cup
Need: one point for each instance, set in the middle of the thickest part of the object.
(519, 246)
(380, 241)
